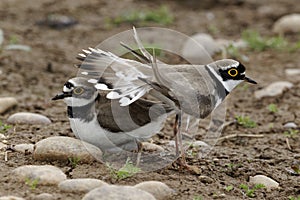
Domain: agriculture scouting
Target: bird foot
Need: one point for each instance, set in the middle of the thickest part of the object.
(181, 162)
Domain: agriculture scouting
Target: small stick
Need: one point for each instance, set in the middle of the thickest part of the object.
(288, 143)
(5, 156)
(239, 135)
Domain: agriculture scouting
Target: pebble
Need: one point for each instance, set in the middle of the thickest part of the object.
(80, 185)
(6, 103)
(114, 192)
(171, 143)
(290, 125)
(271, 11)
(205, 179)
(2, 136)
(28, 118)
(292, 72)
(266, 181)
(147, 146)
(44, 196)
(57, 21)
(46, 174)
(2, 145)
(287, 24)
(24, 148)
(11, 198)
(60, 148)
(274, 89)
(199, 144)
(158, 189)
(199, 48)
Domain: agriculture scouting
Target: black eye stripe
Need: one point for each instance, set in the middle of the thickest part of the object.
(227, 75)
(69, 85)
(241, 68)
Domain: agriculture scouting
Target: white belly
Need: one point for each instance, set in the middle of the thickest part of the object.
(91, 132)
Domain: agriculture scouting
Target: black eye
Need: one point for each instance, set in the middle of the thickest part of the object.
(233, 72)
(78, 90)
(69, 85)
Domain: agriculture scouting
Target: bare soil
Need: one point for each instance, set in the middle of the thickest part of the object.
(36, 76)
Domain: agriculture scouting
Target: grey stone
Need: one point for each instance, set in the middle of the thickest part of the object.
(11, 198)
(152, 147)
(6, 103)
(266, 181)
(45, 174)
(2, 136)
(158, 189)
(59, 148)
(44, 196)
(290, 125)
(114, 192)
(199, 48)
(287, 24)
(205, 179)
(199, 143)
(28, 118)
(271, 10)
(24, 148)
(292, 72)
(274, 89)
(80, 185)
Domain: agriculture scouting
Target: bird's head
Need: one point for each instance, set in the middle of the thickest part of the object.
(77, 92)
(230, 73)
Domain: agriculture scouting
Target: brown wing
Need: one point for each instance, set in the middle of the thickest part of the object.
(116, 118)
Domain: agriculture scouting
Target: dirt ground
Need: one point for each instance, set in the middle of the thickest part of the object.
(35, 77)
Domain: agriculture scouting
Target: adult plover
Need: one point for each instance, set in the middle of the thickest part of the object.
(192, 89)
(104, 123)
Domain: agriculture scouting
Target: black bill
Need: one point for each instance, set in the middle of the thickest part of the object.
(60, 96)
(249, 80)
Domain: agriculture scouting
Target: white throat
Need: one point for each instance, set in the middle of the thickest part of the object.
(229, 85)
(78, 102)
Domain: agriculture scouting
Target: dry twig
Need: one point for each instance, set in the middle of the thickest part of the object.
(288, 143)
(239, 135)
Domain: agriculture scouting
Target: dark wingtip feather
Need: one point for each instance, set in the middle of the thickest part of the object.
(135, 53)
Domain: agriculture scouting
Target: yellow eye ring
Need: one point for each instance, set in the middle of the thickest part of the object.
(78, 90)
(233, 72)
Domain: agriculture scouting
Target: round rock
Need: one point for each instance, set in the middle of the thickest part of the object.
(271, 11)
(199, 143)
(199, 48)
(292, 72)
(152, 147)
(274, 89)
(158, 189)
(11, 198)
(45, 174)
(28, 118)
(24, 148)
(114, 192)
(80, 185)
(266, 181)
(287, 24)
(205, 179)
(290, 125)
(59, 148)
(44, 196)
(6, 103)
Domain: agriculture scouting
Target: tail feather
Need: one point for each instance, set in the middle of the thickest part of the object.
(124, 79)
